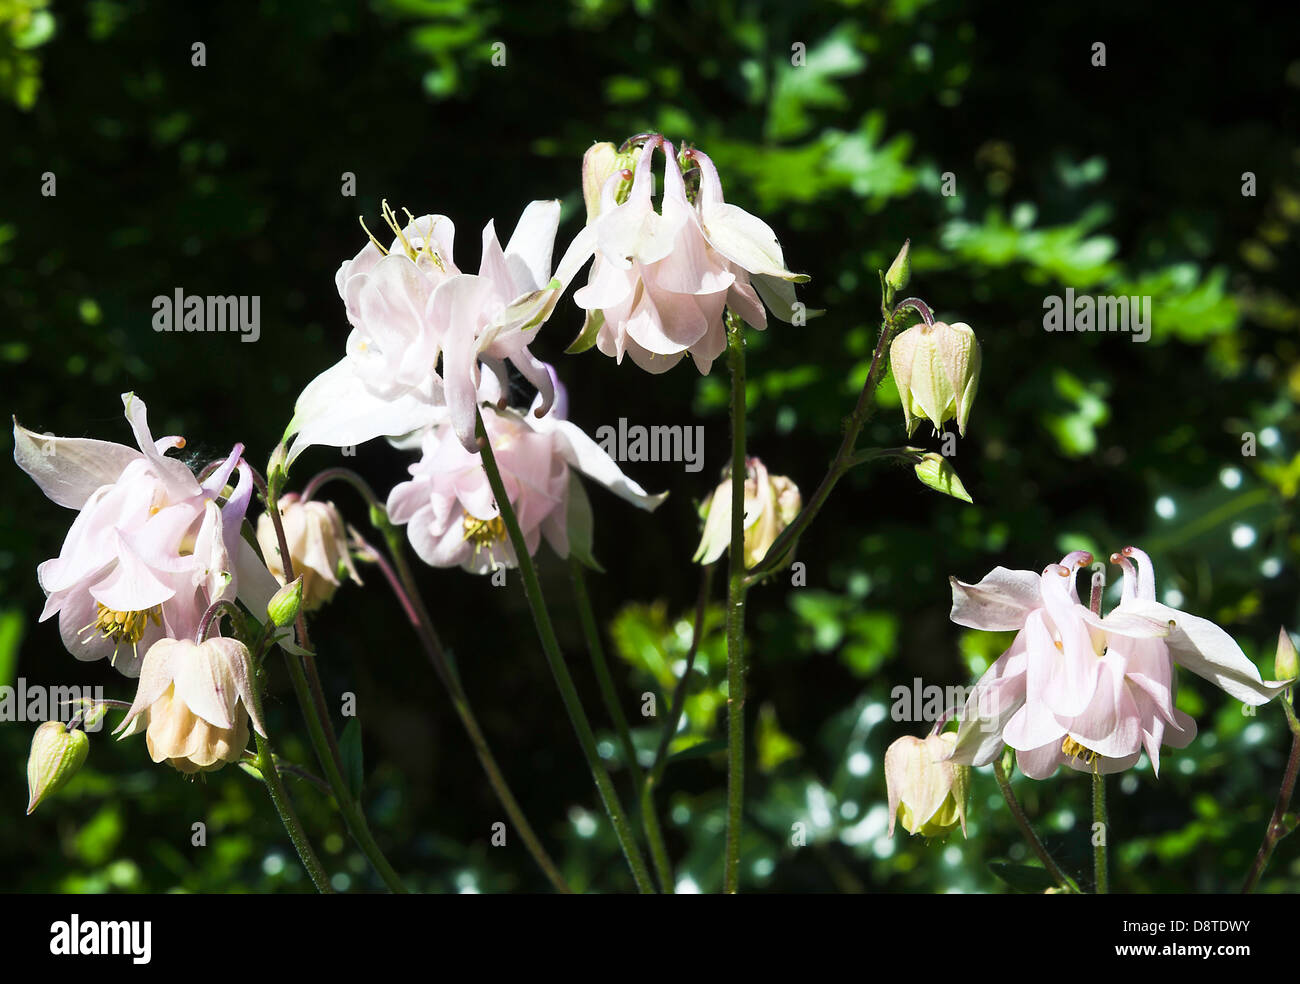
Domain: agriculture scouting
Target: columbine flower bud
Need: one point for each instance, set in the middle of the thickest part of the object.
(599, 162)
(56, 755)
(936, 472)
(771, 504)
(928, 794)
(283, 607)
(1286, 664)
(937, 369)
(318, 546)
(900, 271)
(194, 703)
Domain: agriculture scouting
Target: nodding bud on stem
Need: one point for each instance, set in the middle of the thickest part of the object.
(900, 271)
(601, 162)
(318, 547)
(56, 755)
(771, 504)
(1286, 664)
(928, 793)
(937, 369)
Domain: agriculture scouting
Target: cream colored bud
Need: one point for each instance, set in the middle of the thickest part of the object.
(928, 794)
(937, 369)
(1285, 663)
(771, 504)
(599, 162)
(318, 547)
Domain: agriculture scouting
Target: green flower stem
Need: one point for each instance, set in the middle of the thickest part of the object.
(1022, 821)
(311, 698)
(347, 806)
(563, 680)
(402, 581)
(843, 459)
(599, 664)
(268, 768)
(1100, 870)
(265, 764)
(1279, 824)
(736, 611)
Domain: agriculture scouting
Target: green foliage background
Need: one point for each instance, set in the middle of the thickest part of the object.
(1125, 179)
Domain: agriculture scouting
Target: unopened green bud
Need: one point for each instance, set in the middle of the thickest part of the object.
(900, 271)
(1286, 665)
(284, 604)
(277, 469)
(56, 755)
(935, 471)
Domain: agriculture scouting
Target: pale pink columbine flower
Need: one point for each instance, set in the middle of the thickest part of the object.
(413, 307)
(452, 517)
(194, 702)
(661, 279)
(393, 345)
(1085, 691)
(491, 318)
(150, 548)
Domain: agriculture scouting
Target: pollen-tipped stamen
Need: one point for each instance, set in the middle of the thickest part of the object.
(122, 626)
(484, 533)
(1074, 750)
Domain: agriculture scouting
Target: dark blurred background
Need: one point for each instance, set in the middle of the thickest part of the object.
(1125, 178)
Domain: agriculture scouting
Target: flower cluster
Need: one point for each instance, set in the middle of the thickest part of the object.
(151, 550)
(1083, 690)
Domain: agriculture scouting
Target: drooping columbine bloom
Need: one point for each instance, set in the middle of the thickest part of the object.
(661, 279)
(194, 702)
(771, 504)
(414, 306)
(937, 369)
(450, 513)
(1085, 691)
(150, 548)
(318, 547)
(928, 793)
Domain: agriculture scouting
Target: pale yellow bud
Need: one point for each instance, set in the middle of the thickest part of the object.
(318, 547)
(937, 369)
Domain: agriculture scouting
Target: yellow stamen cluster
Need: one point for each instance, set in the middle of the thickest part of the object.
(122, 626)
(1074, 750)
(484, 532)
(426, 248)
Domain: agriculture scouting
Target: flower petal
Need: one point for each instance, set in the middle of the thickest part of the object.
(69, 469)
(1209, 652)
(1000, 602)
